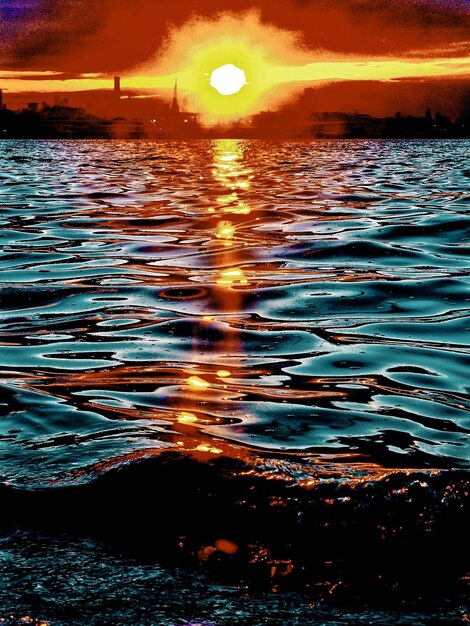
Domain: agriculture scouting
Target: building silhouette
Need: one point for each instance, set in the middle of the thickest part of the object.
(2, 105)
(174, 121)
(111, 116)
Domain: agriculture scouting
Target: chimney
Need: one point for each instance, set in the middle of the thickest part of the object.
(117, 87)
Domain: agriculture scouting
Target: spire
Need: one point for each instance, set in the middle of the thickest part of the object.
(174, 105)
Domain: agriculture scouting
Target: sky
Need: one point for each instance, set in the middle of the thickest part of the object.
(284, 46)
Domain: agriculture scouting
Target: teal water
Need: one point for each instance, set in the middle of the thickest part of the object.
(301, 307)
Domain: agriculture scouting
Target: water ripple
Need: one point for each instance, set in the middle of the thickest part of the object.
(300, 298)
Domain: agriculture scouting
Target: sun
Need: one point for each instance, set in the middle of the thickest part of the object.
(228, 79)
(228, 67)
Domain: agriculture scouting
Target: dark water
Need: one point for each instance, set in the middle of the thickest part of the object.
(292, 311)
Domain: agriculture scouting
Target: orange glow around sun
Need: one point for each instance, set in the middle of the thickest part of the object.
(227, 66)
(233, 66)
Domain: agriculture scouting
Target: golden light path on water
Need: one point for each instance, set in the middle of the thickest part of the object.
(209, 389)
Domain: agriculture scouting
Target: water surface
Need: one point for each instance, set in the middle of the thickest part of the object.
(296, 311)
(301, 297)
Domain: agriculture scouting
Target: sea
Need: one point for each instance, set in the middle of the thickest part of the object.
(234, 382)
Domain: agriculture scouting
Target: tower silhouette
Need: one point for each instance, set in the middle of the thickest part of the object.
(117, 87)
(174, 104)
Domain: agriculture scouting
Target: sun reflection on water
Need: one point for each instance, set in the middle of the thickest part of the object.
(205, 389)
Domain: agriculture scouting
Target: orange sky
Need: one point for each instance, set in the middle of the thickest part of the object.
(295, 41)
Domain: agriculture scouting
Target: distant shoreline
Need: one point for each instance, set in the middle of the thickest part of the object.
(232, 138)
(64, 122)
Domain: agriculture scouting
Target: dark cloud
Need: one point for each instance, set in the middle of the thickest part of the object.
(115, 35)
(409, 96)
(14, 10)
(43, 34)
(386, 26)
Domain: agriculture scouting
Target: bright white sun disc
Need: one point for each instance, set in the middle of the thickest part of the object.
(228, 79)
